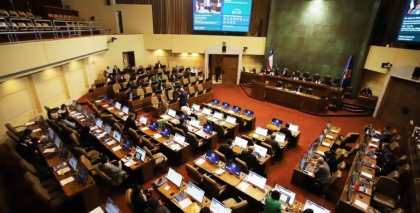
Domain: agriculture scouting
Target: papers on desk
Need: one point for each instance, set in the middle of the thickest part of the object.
(175, 147)
(63, 171)
(375, 139)
(101, 135)
(129, 163)
(66, 181)
(49, 150)
(333, 130)
(36, 130)
(116, 148)
(97, 210)
(97, 101)
(199, 161)
(373, 145)
(320, 153)
(166, 117)
(243, 186)
(157, 136)
(120, 113)
(105, 105)
(167, 188)
(230, 111)
(125, 117)
(255, 135)
(366, 175)
(109, 108)
(326, 144)
(222, 123)
(360, 204)
(30, 123)
(185, 203)
(144, 128)
(329, 137)
(109, 143)
(219, 171)
(59, 166)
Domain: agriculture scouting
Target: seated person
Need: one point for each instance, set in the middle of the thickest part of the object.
(156, 206)
(163, 107)
(249, 158)
(86, 139)
(381, 153)
(130, 122)
(27, 147)
(272, 203)
(227, 151)
(183, 125)
(139, 198)
(285, 130)
(63, 112)
(274, 144)
(330, 158)
(322, 176)
(279, 84)
(113, 171)
(388, 166)
(386, 135)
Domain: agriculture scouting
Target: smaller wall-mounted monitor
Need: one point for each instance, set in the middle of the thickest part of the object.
(410, 25)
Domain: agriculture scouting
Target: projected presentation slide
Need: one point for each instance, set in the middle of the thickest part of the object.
(222, 15)
(410, 27)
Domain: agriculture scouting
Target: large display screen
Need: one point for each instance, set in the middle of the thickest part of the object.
(221, 15)
(410, 26)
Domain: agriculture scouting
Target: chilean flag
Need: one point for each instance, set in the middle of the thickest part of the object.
(270, 59)
(346, 77)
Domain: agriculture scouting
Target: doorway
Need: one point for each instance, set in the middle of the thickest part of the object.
(128, 59)
(229, 65)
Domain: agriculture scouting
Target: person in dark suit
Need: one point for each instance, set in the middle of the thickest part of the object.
(275, 145)
(218, 72)
(139, 198)
(130, 122)
(250, 159)
(183, 98)
(331, 161)
(86, 139)
(156, 206)
(27, 147)
(387, 135)
(227, 151)
(285, 130)
(158, 65)
(116, 70)
(388, 166)
(182, 125)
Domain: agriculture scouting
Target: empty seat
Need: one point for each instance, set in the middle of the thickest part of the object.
(194, 174)
(386, 192)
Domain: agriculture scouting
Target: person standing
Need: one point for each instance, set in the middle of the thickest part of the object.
(183, 98)
(218, 71)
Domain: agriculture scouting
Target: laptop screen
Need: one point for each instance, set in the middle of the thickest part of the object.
(231, 120)
(111, 207)
(153, 125)
(50, 133)
(140, 154)
(166, 132)
(171, 112)
(174, 177)
(215, 102)
(195, 192)
(218, 115)
(125, 109)
(73, 163)
(195, 123)
(262, 151)
(179, 139)
(218, 207)
(118, 105)
(108, 129)
(73, 104)
(236, 109)
(206, 111)
(212, 157)
(302, 163)
(233, 168)
(99, 123)
(240, 142)
(256, 180)
(293, 128)
(261, 131)
(83, 174)
(143, 120)
(57, 142)
(280, 137)
(208, 129)
(286, 195)
(79, 107)
(276, 122)
(249, 113)
(225, 105)
(127, 144)
(117, 136)
(315, 207)
(196, 107)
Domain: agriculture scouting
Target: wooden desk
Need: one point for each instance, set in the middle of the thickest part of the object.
(169, 191)
(226, 177)
(253, 192)
(306, 103)
(263, 160)
(70, 189)
(111, 109)
(175, 152)
(145, 169)
(245, 122)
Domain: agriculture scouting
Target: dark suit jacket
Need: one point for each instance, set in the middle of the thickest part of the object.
(287, 132)
(129, 123)
(183, 127)
(388, 167)
(183, 99)
(274, 144)
(250, 160)
(227, 151)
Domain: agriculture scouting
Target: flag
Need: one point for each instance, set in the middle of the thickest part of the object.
(270, 59)
(346, 77)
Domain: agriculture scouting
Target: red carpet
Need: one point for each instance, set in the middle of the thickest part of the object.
(310, 127)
